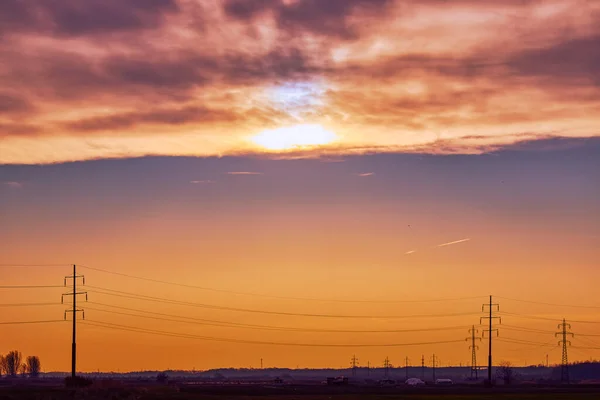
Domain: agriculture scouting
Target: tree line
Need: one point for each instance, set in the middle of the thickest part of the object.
(12, 364)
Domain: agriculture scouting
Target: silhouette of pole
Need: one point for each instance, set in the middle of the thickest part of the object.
(406, 367)
(74, 311)
(564, 367)
(354, 364)
(491, 318)
(423, 368)
(386, 364)
(474, 348)
(433, 366)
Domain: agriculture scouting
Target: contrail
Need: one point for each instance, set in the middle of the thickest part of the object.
(410, 252)
(455, 242)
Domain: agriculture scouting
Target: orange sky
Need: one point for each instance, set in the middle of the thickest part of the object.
(299, 148)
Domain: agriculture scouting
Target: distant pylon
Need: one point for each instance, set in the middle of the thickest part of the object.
(564, 367)
(474, 348)
(406, 361)
(354, 364)
(387, 365)
(423, 368)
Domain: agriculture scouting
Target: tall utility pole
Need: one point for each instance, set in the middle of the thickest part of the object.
(354, 364)
(473, 347)
(406, 361)
(433, 364)
(368, 368)
(386, 365)
(490, 331)
(423, 368)
(261, 363)
(564, 367)
(74, 311)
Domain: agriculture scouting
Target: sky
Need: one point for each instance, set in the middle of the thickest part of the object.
(352, 159)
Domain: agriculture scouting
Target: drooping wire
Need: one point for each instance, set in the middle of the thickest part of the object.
(28, 304)
(273, 296)
(242, 341)
(31, 322)
(545, 318)
(30, 286)
(200, 321)
(130, 295)
(547, 304)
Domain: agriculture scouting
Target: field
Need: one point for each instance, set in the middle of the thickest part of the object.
(257, 392)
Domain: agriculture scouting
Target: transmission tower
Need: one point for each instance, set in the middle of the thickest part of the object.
(491, 306)
(354, 364)
(74, 311)
(406, 361)
(564, 367)
(434, 363)
(473, 347)
(387, 365)
(423, 368)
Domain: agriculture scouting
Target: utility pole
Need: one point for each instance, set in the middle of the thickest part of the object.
(354, 364)
(491, 319)
(368, 368)
(564, 367)
(386, 365)
(406, 366)
(433, 364)
(261, 363)
(547, 361)
(74, 311)
(423, 368)
(473, 347)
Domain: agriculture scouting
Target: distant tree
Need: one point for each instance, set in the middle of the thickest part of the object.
(506, 372)
(12, 363)
(2, 362)
(33, 366)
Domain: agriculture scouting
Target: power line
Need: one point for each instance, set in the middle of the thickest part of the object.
(202, 321)
(524, 329)
(520, 341)
(130, 295)
(544, 318)
(210, 338)
(31, 322)
(273, 296)
(29, 286)
(548, 304)
(28, 304)
(34, 265)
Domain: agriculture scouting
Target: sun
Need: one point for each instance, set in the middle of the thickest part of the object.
(294, 137)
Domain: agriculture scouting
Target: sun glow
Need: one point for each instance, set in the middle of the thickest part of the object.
(294, 137)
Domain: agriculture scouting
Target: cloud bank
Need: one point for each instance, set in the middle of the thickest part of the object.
(129, 78)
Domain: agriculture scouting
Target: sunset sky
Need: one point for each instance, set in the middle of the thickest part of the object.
(335, 157)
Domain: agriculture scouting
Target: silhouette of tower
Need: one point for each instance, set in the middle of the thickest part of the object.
(490, 330)
(406, 361)
(564, 367)
(74, 311)
(423, 368)
(387, 365)
(354, 364)
(473, 347)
